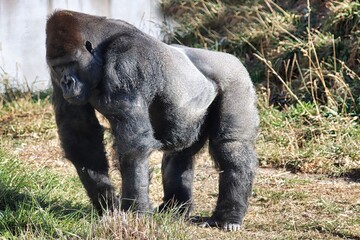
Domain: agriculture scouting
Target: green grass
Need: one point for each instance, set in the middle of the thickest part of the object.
(299, 141)
(40, 204)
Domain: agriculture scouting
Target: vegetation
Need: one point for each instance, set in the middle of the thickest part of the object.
(43, 205)
(41, 196)
(304, 59)
(297, 51)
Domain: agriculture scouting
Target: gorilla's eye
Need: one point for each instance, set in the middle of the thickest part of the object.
(89, 47)
(59, 68)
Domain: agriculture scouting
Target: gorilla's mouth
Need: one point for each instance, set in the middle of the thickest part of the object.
(78, 99)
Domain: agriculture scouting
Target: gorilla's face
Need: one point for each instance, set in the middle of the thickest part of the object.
(77, 74)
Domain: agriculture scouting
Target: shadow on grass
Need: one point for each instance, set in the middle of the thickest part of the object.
(353, 175)
(21, 210)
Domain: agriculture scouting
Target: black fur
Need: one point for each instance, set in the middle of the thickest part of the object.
(155, 96)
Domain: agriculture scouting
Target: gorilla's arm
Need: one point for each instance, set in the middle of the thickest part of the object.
(126, 107)
(134, 142)
(81, 137)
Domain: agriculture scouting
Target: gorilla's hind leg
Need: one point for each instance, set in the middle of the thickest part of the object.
(177, 174)
(236, 162)
(233, 130)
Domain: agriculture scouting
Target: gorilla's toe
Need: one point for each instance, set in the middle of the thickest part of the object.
(231, 227)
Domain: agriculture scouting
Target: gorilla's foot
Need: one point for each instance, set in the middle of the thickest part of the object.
(142, 208)
(226, 226)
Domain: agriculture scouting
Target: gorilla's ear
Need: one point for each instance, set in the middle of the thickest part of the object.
(89, 47)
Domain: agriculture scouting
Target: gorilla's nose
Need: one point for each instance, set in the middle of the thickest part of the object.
(67, 82)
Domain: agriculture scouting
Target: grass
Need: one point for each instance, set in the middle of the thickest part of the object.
(32, 203)
(42, 204)
(298, 51)
(296, 140)
(303, 57)
(42, 198)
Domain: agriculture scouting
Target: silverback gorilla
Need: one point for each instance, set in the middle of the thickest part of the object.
(155, 96)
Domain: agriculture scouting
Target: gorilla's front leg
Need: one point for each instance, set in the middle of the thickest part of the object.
(177, 173)
(134, 171)
(99, 188)
(133, 152)
(177, 176)
(134, 141)
(81, 137)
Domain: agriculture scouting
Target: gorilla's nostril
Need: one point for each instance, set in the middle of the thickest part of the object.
(67, 81)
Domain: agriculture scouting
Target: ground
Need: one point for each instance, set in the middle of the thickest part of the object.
(283, 206)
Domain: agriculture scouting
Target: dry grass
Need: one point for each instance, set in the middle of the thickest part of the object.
(308, 81)
(283, 206)
(298, 141)
(28, 130)
(120, 225)
(297, 50)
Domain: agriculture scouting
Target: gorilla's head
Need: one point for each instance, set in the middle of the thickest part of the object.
(71, 57)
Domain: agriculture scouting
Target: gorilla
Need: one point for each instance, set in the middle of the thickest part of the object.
(156, 97)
